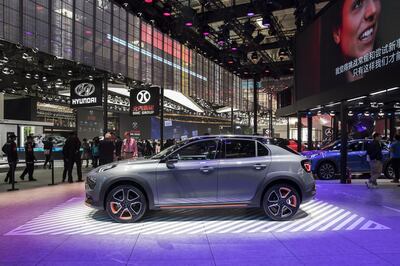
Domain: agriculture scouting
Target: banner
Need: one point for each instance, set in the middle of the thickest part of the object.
(86, 93)
(145, 101)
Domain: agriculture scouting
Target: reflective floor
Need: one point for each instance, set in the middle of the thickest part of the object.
(345, 224)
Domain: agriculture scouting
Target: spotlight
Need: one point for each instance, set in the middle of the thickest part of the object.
(59, 82)
(234, 46)
(25, 56)
(205, 30)
(90, 77)
(125, 4)
(266, 21)
(332, 113)
(188, 16)
(50, 67)
(35, 50)
(28, 76)
(350, 113)
(319, 113)
(230, 60)
(69, 73)
(44, 79)
(148, 1)
(381, 113)
(19, 46)
(36, 76)
(167, 10)
(366, 113)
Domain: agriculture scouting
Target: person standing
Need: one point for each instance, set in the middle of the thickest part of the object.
(118, 148)
(395, 158)
(374, 153)
(129, 147)
(48, 152)
(29, 159)
(86, 152)
(95, 152)
(106, 150)
(72, 155)
(10, 149)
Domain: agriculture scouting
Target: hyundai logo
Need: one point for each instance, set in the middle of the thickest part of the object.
(143, 97)
(85, 89)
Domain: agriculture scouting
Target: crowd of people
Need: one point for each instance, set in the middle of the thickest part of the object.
(77, 153)
(100, 152)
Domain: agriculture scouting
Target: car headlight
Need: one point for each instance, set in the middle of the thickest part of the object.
(106, 168)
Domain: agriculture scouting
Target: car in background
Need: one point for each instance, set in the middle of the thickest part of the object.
(290, 143)
(325, 163)
(230, 171)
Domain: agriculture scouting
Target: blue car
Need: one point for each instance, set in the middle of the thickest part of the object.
(325, 163)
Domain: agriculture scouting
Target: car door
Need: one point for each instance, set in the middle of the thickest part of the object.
(241, 171)
(356, 155)
(192, 178)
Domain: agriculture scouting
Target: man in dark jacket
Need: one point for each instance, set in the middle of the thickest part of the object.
(10, 149)
(48, 152)
(72, 154)
(375, 156)
(106, 150)
(29, 159)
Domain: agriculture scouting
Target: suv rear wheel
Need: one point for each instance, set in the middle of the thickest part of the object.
(326, 171)
(281, 202)
(126, 204)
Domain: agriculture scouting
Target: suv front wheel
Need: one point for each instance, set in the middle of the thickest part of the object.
(126, 204)
(281, 202)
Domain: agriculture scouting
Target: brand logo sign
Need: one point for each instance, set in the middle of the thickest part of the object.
(86, 93)
(143, 97)
(145, 101)
(85, 89)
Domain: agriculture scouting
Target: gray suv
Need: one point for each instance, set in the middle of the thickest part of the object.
(204, 172)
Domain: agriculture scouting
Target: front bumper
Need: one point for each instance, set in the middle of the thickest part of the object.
(92, 197)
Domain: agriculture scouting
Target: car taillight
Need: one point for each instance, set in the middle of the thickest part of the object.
(306, 165)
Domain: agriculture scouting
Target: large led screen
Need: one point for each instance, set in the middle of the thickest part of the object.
(353, 43)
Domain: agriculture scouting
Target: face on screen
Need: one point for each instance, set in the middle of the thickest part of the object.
(357, 32)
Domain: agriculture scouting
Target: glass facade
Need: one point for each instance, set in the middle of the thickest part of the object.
(103, 34)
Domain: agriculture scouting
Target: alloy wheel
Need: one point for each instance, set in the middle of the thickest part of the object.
(281, 202)
(326, 171)
(126, 204)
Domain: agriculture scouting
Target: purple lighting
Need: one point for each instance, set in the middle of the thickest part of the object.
(29, 33)
(234, 49)
(189, 24)
(250, 14)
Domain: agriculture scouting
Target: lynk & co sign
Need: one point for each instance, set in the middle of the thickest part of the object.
(86, 93)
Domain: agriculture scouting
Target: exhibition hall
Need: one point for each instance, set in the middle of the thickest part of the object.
(199, 132)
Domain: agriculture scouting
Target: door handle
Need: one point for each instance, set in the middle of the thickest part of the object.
(206, 169)
(260, 166)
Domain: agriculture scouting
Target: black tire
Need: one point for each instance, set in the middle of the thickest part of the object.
(326, 171)
(388, 171)
(126, 204)
(281, 202)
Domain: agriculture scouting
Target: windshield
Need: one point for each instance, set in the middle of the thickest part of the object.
(169, 150)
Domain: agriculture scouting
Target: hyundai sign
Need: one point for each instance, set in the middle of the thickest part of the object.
(86, 93)
(145, 101)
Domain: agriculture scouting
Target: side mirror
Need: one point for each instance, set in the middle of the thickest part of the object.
(171, 163)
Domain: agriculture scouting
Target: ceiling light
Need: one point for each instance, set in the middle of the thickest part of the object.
(28, 76)
(332, 113)
(188, 16)
(266, 21)
(90, 77)
(350, 113)
(357, 98)
(50, 67)
(36, 76)
(44, 79)
(69, 73)
(366, 113)
(148, 1)
(35, 50)
(205, 30)
(381, 113)
(167, 10)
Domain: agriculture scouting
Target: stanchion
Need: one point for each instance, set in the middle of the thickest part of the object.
(13, 188)
(52, 173)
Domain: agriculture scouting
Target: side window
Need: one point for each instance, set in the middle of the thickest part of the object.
(355, 146)
(202, 150)
(261, 150)
(235, 148)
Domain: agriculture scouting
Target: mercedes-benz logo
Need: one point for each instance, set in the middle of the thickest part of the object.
(143, 97)
(85, 89)
(328, 132)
